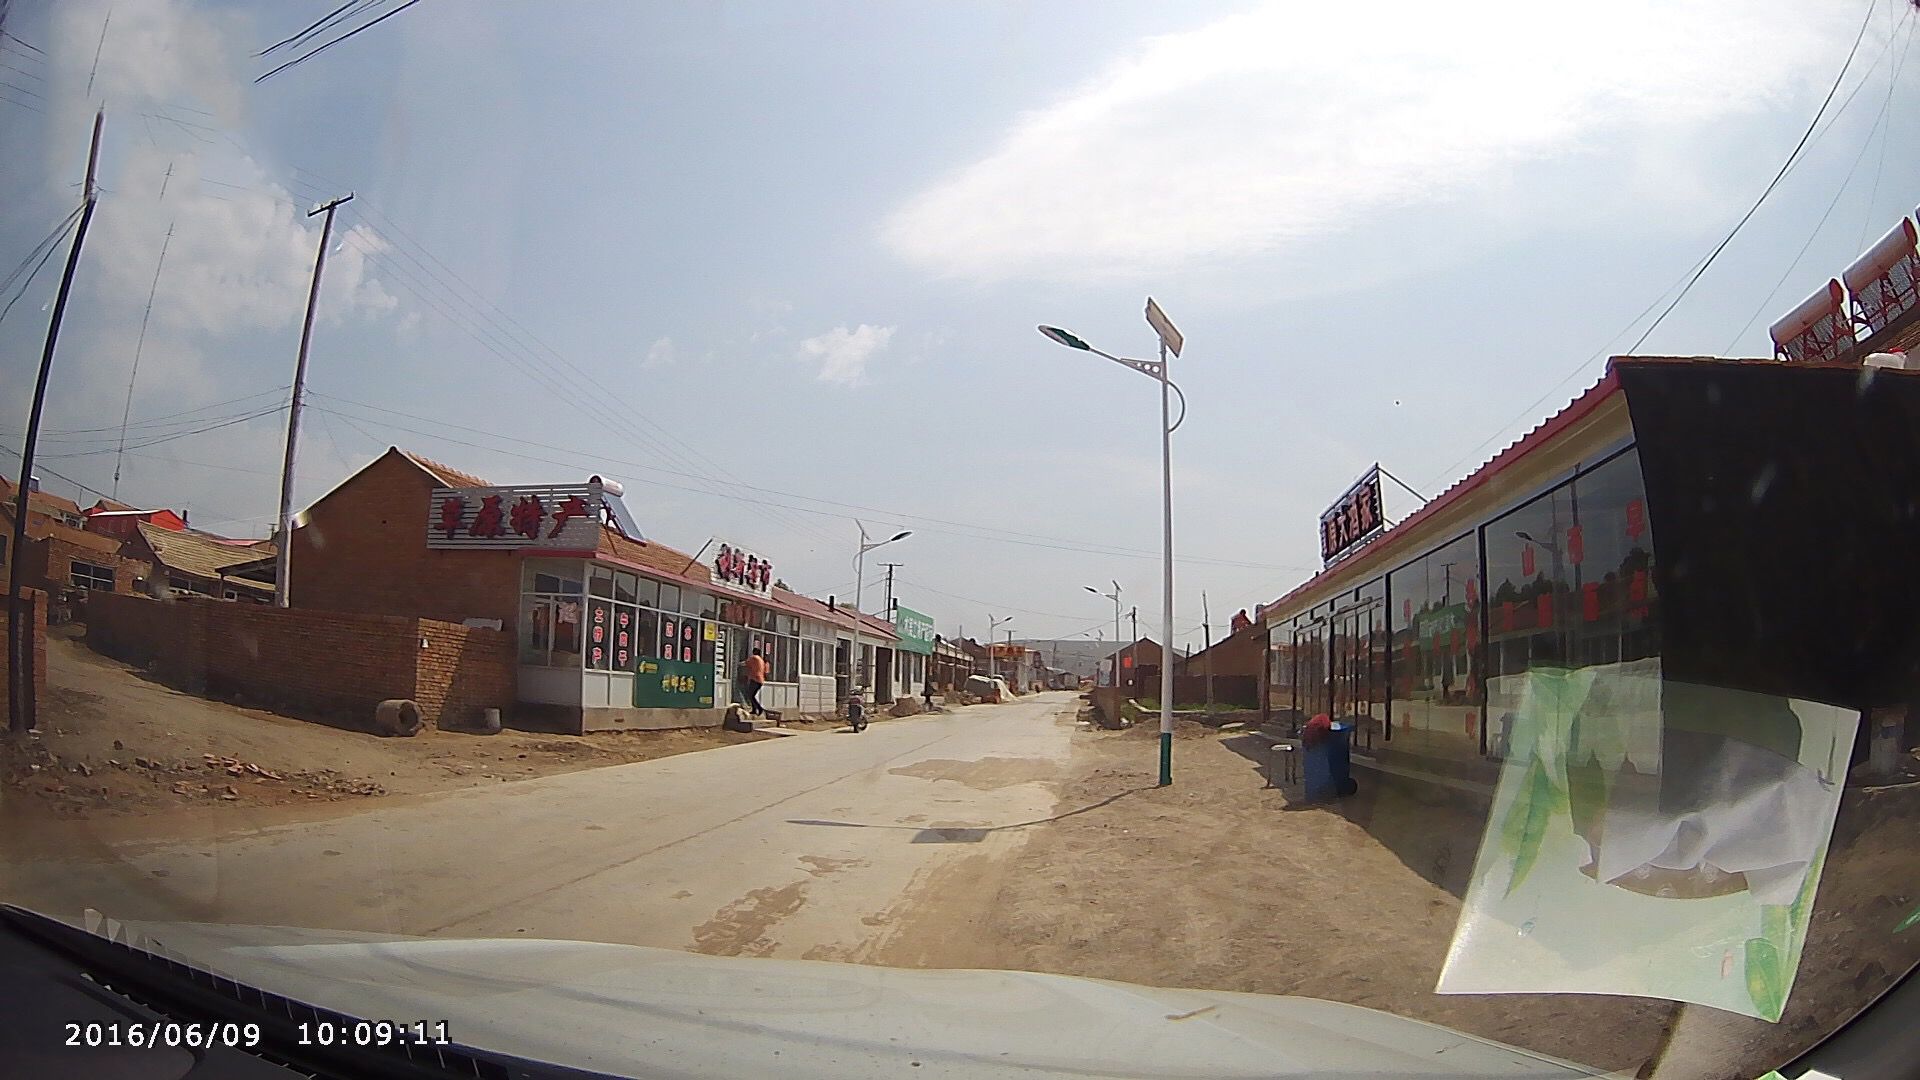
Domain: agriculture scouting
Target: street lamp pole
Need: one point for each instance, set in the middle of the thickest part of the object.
(1114, 673)
(860, 580)
(1170, 341)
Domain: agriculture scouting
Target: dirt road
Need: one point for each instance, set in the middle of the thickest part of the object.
(113, 741)
(1219, 883)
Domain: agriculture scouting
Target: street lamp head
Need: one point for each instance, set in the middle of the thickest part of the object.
(902, 535)
(1065, 338)
(1091, 589)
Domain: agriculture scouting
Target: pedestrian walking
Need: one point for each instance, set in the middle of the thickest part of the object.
(753, 673)
(928, 691)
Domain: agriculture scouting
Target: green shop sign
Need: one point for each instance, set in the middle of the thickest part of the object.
(914, 629)
(672, 684)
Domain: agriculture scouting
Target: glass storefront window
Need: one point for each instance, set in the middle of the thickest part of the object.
(1434, 614)
(600, 581)
(625, 586)
(1614, 615)
(646, 593)
(669, 597)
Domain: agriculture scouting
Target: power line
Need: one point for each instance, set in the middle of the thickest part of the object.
(980, 532)
(160, 421)
(51, 245)
(526, 344)
(157, 440)
(1771, 184)
(1886, 129)
(1845, 182)
(1684, 281)
(10, 36)
(313, 27)
(323, 48)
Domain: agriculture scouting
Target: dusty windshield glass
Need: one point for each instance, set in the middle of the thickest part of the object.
(707, 518)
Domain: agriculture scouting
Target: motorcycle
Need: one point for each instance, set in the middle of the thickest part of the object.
(857, 709)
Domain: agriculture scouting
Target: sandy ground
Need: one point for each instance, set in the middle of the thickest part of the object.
(112, 741)
(1358, 904)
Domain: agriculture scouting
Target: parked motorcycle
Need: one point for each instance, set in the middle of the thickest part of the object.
(857, 708)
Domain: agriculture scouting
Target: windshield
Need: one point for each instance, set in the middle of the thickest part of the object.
(702, 519)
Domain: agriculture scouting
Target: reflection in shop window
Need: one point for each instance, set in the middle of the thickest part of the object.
(1434, 613)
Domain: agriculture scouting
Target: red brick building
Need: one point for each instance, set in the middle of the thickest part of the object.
(60, 559)
(613, 630)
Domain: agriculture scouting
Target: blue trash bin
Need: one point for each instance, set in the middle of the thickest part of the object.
(1328, 769)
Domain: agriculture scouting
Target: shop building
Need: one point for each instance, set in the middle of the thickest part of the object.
(1732, 524)
(614, 630)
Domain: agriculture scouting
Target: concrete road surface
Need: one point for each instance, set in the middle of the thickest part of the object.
(810, 846)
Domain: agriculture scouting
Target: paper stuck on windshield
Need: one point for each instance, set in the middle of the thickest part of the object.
(1649, 839)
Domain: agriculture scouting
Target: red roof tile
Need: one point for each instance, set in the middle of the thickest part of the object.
(448, 477)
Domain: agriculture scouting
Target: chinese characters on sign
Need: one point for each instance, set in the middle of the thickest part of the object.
(1356, 518)
(672, 684)
(561, 518)
(738, 568)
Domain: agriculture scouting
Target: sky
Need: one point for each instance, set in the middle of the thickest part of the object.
(777, 266)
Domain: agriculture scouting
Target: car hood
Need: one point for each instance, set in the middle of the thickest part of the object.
(648, 1012)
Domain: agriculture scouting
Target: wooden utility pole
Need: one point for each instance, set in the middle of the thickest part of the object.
(283, 539)
(1206, 640)
(890, 568)
(20, 694)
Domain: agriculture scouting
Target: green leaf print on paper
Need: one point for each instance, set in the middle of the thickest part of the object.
(1912, 917)
(1766, 982)
(1525, 829)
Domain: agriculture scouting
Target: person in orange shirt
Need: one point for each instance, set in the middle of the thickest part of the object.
(753, 673)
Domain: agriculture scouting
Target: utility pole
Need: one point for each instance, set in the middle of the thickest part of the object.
(139, 344)
(1206, 639)
(20, 696)
(283, 549)
(890, 567)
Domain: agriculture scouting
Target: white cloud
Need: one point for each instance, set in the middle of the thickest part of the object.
(843, 354)
(659, 354)
(1264, 129)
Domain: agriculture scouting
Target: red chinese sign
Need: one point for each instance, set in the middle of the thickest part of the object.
(514, 518)
(488, 522)
(1636, 519)
(1526, 561)
(742, 569)
(1576, 545)
(1354, 519)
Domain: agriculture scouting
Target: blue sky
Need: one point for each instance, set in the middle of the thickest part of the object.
(747, 254)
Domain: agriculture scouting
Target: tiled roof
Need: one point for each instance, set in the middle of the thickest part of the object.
(448, 477)
(653, 556)
(197, 553)
(837, 615)
(40, 500)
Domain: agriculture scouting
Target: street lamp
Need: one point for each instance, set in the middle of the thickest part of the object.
(992, 668)
(1169, 340)
(1115, 597)
(860, 580)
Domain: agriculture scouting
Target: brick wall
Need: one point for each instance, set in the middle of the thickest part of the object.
(464, 670)
(310, 661)
(364, 549)
(38, 619)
